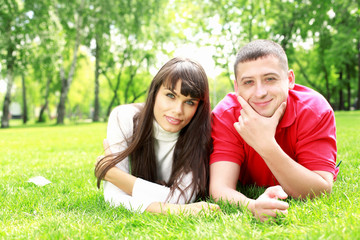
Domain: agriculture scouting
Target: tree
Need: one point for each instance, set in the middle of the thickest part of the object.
(17, 28)
(229, 24)
(10, 39)
(101, 19)
(72, 17)
(136, 34)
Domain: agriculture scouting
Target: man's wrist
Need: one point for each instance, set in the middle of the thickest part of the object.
(251, 205)
(268, 149)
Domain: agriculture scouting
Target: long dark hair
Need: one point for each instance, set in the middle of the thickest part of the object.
(193, 146)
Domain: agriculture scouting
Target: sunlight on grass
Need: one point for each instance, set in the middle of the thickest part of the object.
(71, 206)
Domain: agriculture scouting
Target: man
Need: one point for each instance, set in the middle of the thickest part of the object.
(271, 132)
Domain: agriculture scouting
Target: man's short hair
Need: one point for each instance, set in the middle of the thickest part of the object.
(259, 49)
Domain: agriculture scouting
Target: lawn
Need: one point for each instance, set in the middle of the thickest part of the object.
(71, 207)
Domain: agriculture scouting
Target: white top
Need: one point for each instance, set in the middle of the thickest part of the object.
(144, 192)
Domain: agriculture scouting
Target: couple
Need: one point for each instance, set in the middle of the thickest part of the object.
(271, 132)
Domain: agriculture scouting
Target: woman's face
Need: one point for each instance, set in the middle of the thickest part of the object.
(172, 110)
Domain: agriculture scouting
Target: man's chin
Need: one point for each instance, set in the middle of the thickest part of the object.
(265, 114)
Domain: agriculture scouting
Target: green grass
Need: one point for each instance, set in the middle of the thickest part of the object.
(72, 208)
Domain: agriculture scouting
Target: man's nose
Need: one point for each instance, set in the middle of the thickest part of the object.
(260, 90)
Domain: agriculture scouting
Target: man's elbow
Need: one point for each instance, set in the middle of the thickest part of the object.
(312, 193)
(215, 192)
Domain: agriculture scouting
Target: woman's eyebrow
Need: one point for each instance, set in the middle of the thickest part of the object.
(194, 99)
(172, 90)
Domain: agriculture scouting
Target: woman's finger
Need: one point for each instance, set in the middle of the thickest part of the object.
(106, 147)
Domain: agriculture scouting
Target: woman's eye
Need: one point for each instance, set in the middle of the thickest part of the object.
(189, 102)
(170, 95)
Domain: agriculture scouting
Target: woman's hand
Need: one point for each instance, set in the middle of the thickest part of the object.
(107, 151)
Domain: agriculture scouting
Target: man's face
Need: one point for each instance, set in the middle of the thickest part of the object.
(264, 84)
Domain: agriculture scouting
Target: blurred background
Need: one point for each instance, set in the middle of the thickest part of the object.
(73, 61)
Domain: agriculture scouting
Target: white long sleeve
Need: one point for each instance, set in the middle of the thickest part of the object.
(120, 126)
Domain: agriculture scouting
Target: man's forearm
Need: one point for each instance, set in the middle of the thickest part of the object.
(297, 181)
(232, 196)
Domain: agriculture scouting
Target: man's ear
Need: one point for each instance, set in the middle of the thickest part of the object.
(235, 86)
(291, 77)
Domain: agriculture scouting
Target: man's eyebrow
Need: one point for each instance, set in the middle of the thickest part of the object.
(246, 77)
(271, 73)
(264, 75)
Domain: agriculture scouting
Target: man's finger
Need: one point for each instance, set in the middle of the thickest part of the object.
(276, 192)
(247, 108)
(279, 112)
(237, 126)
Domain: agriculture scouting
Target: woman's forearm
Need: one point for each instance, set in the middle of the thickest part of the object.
(121, 179)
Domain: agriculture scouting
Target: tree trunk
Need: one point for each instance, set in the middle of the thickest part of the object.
(115, 89)
(25, 111)
(9, 67)
(358, 95)
(326, 75)
(348, 88)
(6, 107)
(306, 77)
(133, 72)
(341, 95)
(96, 100)
(136, 96)
(66, 81)
(62, 101)
(111, 104)
(46, 98)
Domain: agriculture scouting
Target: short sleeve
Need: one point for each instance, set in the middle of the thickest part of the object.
(316, 146)
(227, 143)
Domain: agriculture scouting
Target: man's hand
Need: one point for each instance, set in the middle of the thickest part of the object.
(267, 205)
(256, 130)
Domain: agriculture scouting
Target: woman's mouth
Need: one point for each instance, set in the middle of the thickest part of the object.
(172, 120)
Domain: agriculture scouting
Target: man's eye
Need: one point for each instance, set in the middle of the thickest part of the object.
(248, 82)
(270, 79)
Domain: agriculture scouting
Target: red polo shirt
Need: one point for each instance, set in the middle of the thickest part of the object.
(306, 133)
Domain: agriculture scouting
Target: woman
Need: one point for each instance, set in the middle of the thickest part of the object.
(162, 146)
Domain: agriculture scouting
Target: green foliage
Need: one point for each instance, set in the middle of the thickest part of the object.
(121, 41)
(71, 206)
(219, 87)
